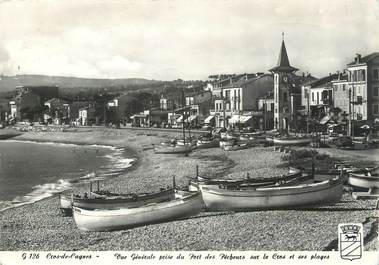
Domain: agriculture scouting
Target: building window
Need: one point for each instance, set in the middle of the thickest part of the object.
(313, 96)
(363, 75)
(375, 74)
(375, 109)
(343, 87)
(285, 97)
(375, 91)
(305, 93)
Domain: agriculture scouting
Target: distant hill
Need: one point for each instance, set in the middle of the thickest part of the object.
(9, 83)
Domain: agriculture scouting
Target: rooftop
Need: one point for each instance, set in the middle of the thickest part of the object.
(365, 59)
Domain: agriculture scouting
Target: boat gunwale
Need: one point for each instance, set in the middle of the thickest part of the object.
(143, 209)
(328, 184)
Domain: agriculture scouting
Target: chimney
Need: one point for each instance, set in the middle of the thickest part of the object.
(303, 74)
(358, 58)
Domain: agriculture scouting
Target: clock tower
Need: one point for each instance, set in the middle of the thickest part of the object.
(283, 86)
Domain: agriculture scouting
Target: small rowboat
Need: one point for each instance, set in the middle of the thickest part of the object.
(112, 200)
(293, 176)
(174, 149)
(184, 205)
(235, 147)
(325, 192)
(294, 141)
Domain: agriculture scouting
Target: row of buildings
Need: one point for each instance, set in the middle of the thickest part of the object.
(278, 99)
(43, 104)
(284, 100)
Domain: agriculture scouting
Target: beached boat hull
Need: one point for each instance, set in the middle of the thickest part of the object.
(105, 220)
(177, 149)
(300, 141)
(326, 192)
(363, 181)
(224, 143)
(207, 144)
(235, 147)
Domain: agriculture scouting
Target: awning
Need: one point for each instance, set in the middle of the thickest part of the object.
(192, 118)
(139, 116)
(240, 118)
(325, 119)
(234, 119)
(209, 119)
(245, 119)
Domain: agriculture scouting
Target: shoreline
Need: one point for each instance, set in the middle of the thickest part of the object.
(75, 183)
(39, 226)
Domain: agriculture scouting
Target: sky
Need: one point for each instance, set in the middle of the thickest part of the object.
(168, 39)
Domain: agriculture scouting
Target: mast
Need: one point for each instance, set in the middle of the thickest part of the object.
(184, 112)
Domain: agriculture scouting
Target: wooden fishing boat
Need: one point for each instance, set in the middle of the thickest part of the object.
(173, 149)
(184, 205)
(324, 192)
(188, 141)
(294, 140)
(254, 134)
(106, 200)
(170, 142)
(235, 147)
(207, 143)
(244, 138)
(294, 176)
(347, 168)
(368, 180)
(225, 142)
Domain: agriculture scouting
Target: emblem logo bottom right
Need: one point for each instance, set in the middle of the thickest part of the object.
(350, 241)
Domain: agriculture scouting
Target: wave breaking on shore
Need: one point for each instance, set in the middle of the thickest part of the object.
(116, 164)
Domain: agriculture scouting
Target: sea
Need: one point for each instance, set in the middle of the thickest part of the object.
(32, 171)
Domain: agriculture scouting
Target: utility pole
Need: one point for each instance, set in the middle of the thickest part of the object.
(308, 111)
(265, 113)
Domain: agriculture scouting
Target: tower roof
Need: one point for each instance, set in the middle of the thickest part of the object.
(283, 62)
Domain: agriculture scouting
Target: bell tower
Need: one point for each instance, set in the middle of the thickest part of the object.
(283, 73)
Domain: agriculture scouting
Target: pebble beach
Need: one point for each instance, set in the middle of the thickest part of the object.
(39, 226)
